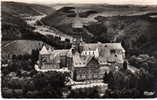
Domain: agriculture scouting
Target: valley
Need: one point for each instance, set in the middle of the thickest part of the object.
(43, 29)
(27, 28)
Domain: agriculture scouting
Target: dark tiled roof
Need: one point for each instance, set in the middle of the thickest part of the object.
(94, 46)
(81, 61)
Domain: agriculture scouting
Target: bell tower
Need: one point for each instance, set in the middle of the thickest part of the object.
(77, 28)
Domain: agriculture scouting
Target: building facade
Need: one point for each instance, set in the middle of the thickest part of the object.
(89, 64)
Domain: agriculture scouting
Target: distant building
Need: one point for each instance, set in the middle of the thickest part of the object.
(86, 61)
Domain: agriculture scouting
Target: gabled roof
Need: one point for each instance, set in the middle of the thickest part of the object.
(94, 46)
(55, 54)
(60, 52)
(81, 61)
(114, 45)
(44, 50)
(90, 46)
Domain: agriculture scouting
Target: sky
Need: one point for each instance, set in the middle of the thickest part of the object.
(122, 2)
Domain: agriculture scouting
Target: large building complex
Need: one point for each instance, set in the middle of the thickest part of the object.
(85, 61)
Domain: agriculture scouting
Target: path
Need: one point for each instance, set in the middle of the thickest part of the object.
(44, 29)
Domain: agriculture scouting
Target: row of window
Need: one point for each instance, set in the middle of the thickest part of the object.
(102, 61)
(87, 71)
(49, 66)
(101, 46)
(89, 53)
(113, 51)
(83, 63)
(90, 76)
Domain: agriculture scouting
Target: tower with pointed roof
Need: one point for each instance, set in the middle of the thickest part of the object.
(77, 27)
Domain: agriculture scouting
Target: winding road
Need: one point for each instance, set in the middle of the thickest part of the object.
(44, 29)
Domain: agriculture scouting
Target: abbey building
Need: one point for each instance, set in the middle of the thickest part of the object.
(85, 61)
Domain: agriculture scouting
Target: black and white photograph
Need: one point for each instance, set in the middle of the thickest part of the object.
(93, 49)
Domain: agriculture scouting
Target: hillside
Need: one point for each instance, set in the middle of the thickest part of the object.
(135, 32)
(65, 15)
(20, 47)
(25, 9)
(13, 24)
(13, 27)
(133, 25)
(129, 24)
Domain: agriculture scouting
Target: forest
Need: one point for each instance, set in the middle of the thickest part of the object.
(21, 80)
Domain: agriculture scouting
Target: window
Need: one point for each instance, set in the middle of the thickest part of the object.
(119, 52)
(113, 51)
(89, 76)
(44, 59)
(95, 75)
(78, 76)
(83, 76)
(85, 53)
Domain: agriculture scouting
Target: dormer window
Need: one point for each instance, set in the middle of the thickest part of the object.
(85, 53)
(113, 51)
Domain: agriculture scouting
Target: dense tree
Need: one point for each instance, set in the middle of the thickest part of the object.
(84, 93)
(50, 84)
(123, 83)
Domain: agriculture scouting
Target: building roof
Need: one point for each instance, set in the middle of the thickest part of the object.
(104, 51)
(44, 50)
(94, 46)
(90, 46)
(69, 53)
(81, 61)
(114, 45)
(60, 52)
(55, 55)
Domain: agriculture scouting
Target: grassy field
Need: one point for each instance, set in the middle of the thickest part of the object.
(20, 47)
